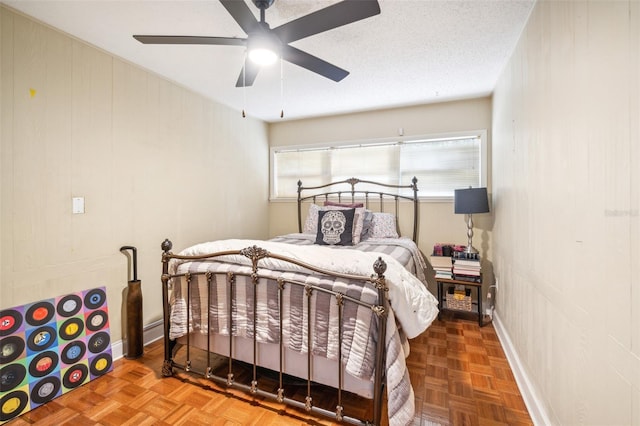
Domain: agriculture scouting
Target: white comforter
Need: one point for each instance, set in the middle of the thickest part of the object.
(414, 306)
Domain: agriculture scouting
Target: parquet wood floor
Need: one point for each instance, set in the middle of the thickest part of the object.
(458, 370)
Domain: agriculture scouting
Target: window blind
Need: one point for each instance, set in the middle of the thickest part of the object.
(440, 164)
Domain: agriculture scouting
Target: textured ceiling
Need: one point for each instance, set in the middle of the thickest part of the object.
(414, 52)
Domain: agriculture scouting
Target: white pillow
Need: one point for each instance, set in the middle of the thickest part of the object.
(311, 222)
(383, 225)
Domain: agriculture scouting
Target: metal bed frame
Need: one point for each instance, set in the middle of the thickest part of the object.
(256, 255)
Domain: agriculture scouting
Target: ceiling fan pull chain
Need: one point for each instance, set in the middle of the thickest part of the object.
(281, 89)
(244, 86)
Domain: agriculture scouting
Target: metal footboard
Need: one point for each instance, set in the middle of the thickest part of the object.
(258, 278)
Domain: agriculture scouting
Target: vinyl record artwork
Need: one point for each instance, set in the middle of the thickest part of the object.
(50, 347)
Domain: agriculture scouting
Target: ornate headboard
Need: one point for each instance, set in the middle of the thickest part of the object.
(370, 193)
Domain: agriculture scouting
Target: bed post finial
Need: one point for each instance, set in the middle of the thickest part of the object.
(380, 266)
(166, 245)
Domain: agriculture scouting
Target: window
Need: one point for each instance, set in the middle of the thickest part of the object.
(441, 164)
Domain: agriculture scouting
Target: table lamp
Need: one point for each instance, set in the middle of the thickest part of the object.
(469, 201)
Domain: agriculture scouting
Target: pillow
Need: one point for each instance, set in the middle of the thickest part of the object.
(358, 225)
(367, 223)
(347, 205)
(335, 227)
(383, 225)
(311, 222)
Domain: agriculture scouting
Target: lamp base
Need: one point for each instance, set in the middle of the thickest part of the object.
(471, 249)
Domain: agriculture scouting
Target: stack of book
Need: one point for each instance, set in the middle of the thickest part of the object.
(443, 266)
(467, 269)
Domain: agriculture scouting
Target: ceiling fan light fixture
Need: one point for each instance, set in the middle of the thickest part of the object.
(263, 56)
(262, 49)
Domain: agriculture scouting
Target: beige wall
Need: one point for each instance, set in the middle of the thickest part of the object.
(437, 221)
(566, 192)
(152, 160)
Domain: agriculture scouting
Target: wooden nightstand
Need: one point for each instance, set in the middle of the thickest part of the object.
(442, 282)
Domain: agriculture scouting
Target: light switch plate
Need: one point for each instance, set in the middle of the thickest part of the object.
(78, 205)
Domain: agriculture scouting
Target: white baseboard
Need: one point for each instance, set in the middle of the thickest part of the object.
(116, 350)
(534, 404)
(151, 333)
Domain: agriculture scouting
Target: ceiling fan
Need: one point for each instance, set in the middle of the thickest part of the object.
(261, 36)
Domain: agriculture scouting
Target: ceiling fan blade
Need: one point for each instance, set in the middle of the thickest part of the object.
(164, 39)
(248, 74)
(313, 63)
(330, 17)
(239, 10)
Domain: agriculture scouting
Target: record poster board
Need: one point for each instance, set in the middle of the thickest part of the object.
(51, 347)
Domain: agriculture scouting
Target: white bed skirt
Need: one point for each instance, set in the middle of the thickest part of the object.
(323, 370)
